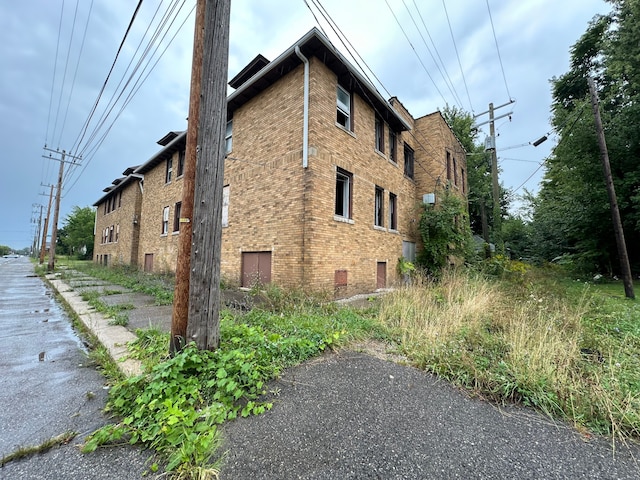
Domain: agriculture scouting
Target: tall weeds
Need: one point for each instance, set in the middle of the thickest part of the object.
(507, 342)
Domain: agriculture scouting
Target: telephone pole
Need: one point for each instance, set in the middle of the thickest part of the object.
(38, 224)
(203, 321)
(490, 145)
(45, 230)
(180, 315)
(56, 210)
(613, 202)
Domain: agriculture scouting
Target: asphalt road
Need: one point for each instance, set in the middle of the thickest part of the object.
(48, 387)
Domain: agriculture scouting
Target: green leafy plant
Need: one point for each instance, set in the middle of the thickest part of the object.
(445, 233)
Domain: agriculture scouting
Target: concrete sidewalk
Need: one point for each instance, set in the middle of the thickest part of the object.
(350, 415)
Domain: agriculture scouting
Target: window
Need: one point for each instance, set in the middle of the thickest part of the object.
(448, 166)
(111, 234)
(462, 180)
(379, 209)
(392, 146)
(228, 136)
(344, 187)
(379, 134)
(344, 108)
(393, 211)
(117, 232)
(455, 172)
(408, 161)
(167, 176)
(181, 155)
(225, 206)
(165, 220)
(176, 216)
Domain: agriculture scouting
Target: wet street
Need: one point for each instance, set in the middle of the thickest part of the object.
(48, 386)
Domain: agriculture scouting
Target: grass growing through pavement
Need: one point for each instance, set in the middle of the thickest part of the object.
(23, 452)
(568, 349)
(177, 404)
(158, 286)
(115, 312)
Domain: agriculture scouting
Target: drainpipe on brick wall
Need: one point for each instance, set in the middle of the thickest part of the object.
(305, 111)
(141, 177)
(305, 155)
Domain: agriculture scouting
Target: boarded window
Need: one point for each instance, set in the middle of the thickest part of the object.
(340, 278)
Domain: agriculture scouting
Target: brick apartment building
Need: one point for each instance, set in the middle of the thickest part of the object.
(324, 180)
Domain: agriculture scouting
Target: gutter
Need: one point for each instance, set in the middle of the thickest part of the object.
(305, 110)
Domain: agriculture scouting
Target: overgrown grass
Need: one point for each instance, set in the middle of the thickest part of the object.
(115, 312)
(160, 287)
(23, 452)
(570, 351)
(177, 404)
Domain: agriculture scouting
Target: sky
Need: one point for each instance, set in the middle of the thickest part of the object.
(428, 53)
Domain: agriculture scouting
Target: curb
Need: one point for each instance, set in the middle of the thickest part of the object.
(113, 337)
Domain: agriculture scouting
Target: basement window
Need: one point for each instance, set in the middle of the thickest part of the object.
(344, 191)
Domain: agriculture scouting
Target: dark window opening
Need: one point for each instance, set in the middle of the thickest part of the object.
(379, 209)
(393, 211)
(344, 191)
(176, 216)
(379, 134)
(408, 161)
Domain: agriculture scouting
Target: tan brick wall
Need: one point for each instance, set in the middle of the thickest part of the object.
(265, 178)
(124, 250)
(157, 195)
(278, 206)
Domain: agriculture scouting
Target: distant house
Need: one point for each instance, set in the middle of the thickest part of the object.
(324, 179)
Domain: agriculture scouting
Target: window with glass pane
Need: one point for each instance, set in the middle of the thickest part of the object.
(228, 138)
(379, 134)
(344, 108)
(408, 161)
(344, 182)
(379, 209)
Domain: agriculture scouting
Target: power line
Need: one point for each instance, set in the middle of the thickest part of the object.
(83, 130)
(415, 52)
(504, 77)
(55, 67)
(464, 80)
(446, 73)
(75, 74)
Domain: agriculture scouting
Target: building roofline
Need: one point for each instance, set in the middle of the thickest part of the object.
(314, 43)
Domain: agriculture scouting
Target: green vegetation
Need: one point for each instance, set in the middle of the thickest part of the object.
(158, 286)
(115, 312)
(569, 349)
(75, 237)
(23, 452)
(176, 405)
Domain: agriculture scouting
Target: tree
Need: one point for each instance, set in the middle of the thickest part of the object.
(5, 250)
(478, 170)
(76, 235)
(572, 212)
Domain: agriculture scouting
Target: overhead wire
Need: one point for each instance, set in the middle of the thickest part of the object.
(447, 79)
(91, 153)
(84, 128)
(350, 47)
(75, 74)
(453, 39)
(66, 65)
(495, 38)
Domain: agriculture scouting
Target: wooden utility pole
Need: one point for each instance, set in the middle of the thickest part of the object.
(495, 186)
(491, 147)
(203, 326)
(613, 202)
(56, 212)
(180, 316)
(46, 228)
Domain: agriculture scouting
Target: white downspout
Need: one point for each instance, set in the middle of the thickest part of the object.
(305, 112)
